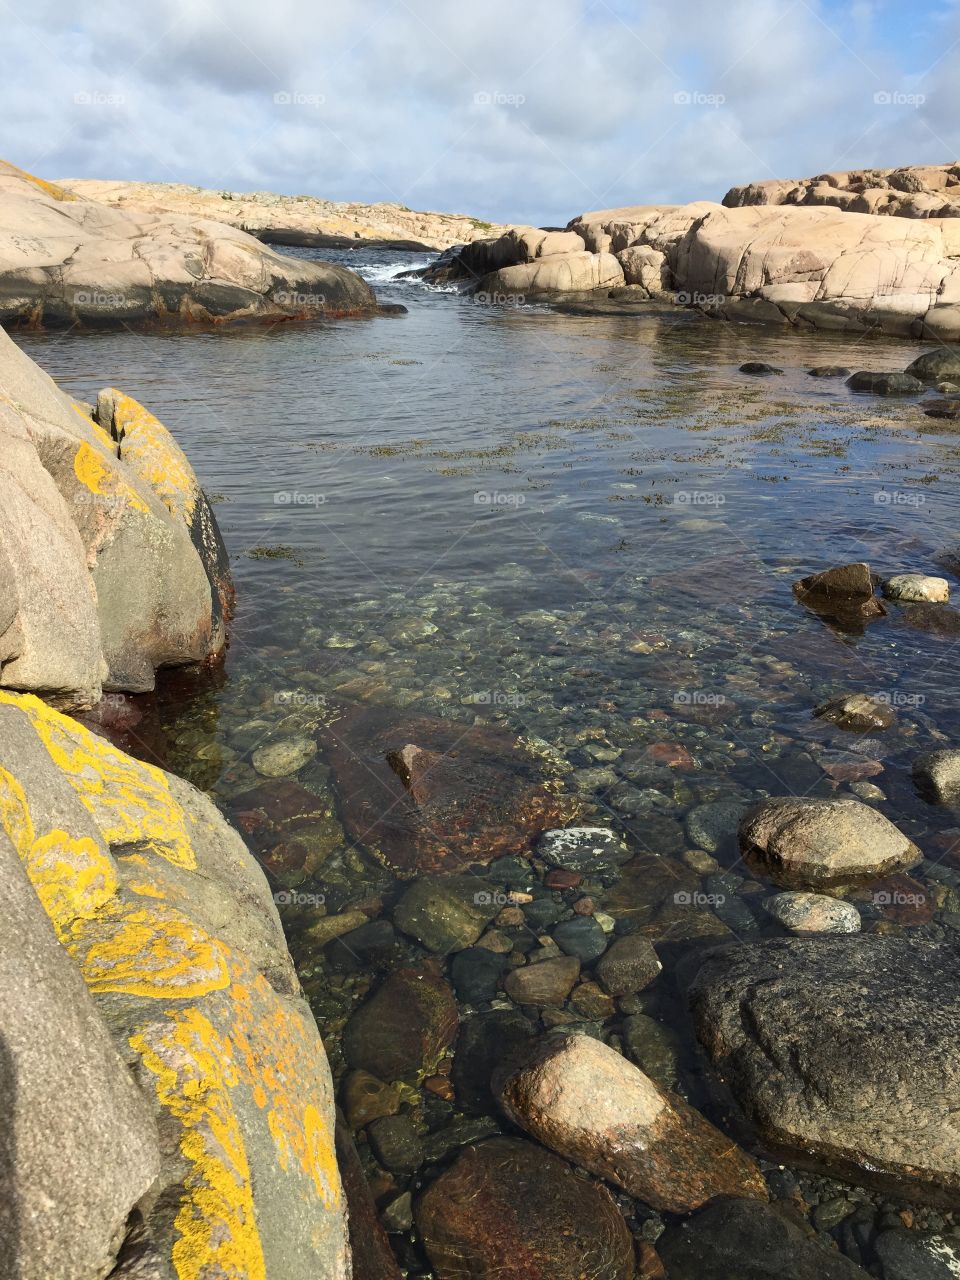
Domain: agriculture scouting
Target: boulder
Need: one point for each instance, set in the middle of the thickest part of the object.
(841, 1050)
(913, 587)
(227, 1151)
(645, 266)
(815, 843)
(67, 260)
(405, 1028)
(508, 1210)
(913, 191)
(558, 273)
(885, 384)
(846, 581)
(857, 712)
(585, 1101)
(937, 776)
(942, 364)
(446, 913)
(628, 966)
(948, 410)
(483, 795)
(813, 913)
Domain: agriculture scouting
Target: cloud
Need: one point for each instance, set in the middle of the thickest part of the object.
(531, 112)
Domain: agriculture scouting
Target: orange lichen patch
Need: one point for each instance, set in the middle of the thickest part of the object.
(145, 890)
(148, 447)
(278, 1054)
(92, 471)
(129, 800)
(195, 1072)
(151, 951)
(48, 188)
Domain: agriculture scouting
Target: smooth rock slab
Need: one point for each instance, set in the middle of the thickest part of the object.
(813, 913)
(915, 587)
(508, 1210)
(843, 1053)
(816, 843)
(585, 1101)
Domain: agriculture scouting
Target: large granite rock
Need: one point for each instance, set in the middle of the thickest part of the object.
(842, 1051)
(67, 260)
(585, 1101)
(912, 191)
(111, 564)
(508, 1210)
(576, 272)
(215, 1099)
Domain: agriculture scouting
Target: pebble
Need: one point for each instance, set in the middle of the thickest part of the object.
(283, 758)
(581, 937)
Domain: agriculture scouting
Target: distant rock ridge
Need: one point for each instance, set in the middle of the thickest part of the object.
(911, 191)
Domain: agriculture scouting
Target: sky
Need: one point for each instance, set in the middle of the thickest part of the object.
(509, 110)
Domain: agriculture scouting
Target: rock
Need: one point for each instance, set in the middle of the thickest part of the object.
(847, 581)
(100, 570)
(653, 1047)
(548, 982)
(366, 1098)
(396, 1143)
(935, 366)
(446, 913)
(646, 267)
(934, 619)
(829, 371)
(162, 911)
(592, 1002)
(936, 776)
(585, 1101)
(840, 1050)
(911, 1255)
(287, 755)
(487, 795)
(583, 849)
(397, 1217)
(487, 1042)
(813, 913)
(476, 972)
(628, 966)
(549, 1222)
(816, 843)
(405, 1028)
(885, 384)
(558, 273)
(581, 937)
(371, 1255)
(759, 369)
(949, 410)
(713, 826)
(751, 1241)
(68, 260)
(857, 712)
(917, 587)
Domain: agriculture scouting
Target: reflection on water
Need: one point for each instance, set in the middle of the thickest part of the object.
(583, 529)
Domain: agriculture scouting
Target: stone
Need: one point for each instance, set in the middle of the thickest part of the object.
(759, 369)
(713, 826)
(885, 384)
(549, 1222)
(813, 913)
(817, 843)
(69, 260)
(557, 273)
(371, 1256)
(476, 973)
(653, 1047)
(591, 1001)
(487, 1042)
(405, 1028)
(917, 587)
(396, 1143)
(857, 712)
(548, 982)
(581, 937)
(591, 850)
(646, 267)
(365, 1098)
(840, 1050)
(162, 911)
(628, 966)
(848, 581)
(284, 757)
(948, 409)
(829, 371)
(446, 913)
(934, 366)
(936, 775)
(586, 1102)
(485, 797)
(751, 1241)
(914, 1255)
(397, 1216)
(934, 619)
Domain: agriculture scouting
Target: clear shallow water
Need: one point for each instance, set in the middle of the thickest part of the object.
(582, 527)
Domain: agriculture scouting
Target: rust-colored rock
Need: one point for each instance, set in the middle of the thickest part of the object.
(426, 794)
(585, 1101)
(548, 982)
(508, 1210)
(370, 1249)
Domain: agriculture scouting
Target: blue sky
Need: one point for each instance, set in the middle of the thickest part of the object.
(516, 112)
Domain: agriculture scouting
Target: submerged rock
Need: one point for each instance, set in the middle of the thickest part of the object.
(628, 966)
(404, 1029)
(937, 776)
(547, 982)
(934, 366)
(885, 384)
(813, 913)
(815, 843)
(588, 849)
(588, 1103)
(446, 913)
(508, 1210)
(285, 756)
(759, 369)
(842, 1050)
(857, 712)
(948, 410)
(428, 795)
(829, 371)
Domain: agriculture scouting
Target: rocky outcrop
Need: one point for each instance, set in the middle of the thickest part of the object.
(281, 219)
(912, 191)
(111, 564)
(169, 1103)
(68, 260)
(842, 1050)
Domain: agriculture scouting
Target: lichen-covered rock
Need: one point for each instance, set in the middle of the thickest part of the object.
(111, 565)
(161, 909)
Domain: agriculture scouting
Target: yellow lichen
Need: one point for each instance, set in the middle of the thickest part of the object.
(149, 448)
(48, 188)
(92, 471)
(95, 427)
